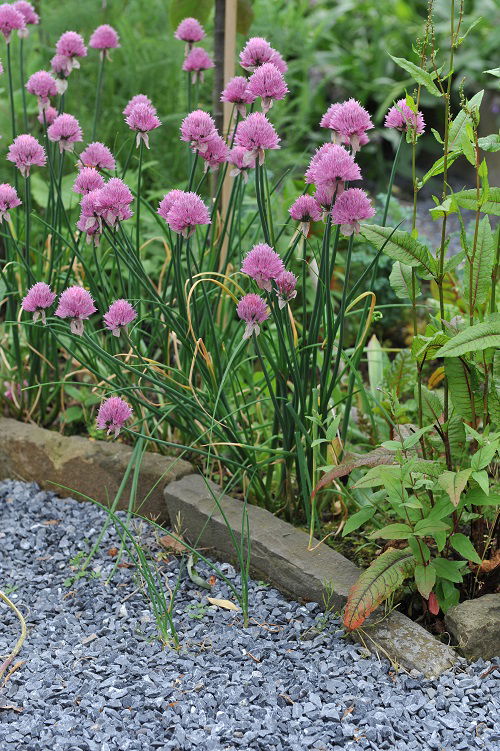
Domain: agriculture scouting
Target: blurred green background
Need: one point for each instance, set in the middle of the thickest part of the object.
(334, 50)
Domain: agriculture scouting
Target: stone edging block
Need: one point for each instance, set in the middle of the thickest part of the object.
(95, 468)
(279, 555)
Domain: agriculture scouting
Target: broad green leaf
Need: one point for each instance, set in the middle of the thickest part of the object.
(464, 547)
(493, 72)
(462, 383)
(427, 347)
(490, 143)
(457, 126)
(456, 437)
(473, 339)
(438, 167)
(427, 527)
(419, 549)
(420, 75)
(454, 484)
(358, 519)
(483, 480)
(484, 456)
(376, 584)
(373, 478)
(432, 406)
(425, 578)
(477, 497)
(413, 439)
(400, 279)
(467, 199)
(480, 278)
(449, 570)
(401, 375)
(392, 532)
(400, 246)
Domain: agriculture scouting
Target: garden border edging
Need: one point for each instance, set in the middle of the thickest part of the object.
(279, 551)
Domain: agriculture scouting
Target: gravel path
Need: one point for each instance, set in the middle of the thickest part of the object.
(96, 679)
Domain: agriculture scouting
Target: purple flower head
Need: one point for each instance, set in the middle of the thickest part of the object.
(349, 122)
(43, 86)
(263, 265)
(65, 130)
(97, 155)
(196, 62)
(104, 38)
(29, 14)
(258, 51)
(61, 68)
(331, 166)
(239, 159)
(168, 201)
(324, 197)
(198, 128)
(350, 208)
(402, 117)
(186, 213)
(256, 134)
(71, 45)
(120, 313)
(8, 200)
(10, 20)
(268, 84)
(237, 92)
(325, 120)
(286, 283)
(138, 99)
(47, 115)
(253, 310)
(113, 414)
(77, 304)
(38, 298)
(90, 220)
(142, 118)
(115, 199)
(26, 152)
(216, 152)
(88, 179)
(305, 210)
(190, 30)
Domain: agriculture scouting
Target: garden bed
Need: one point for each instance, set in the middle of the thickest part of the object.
(96, 678)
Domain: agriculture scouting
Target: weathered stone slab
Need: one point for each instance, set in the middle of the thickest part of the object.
(475, 627)
(95, 468)
(280, 555)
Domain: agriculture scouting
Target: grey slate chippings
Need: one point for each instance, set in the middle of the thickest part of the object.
(96, 679)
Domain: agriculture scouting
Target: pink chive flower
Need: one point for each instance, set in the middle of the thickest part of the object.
(138, 99)
(402, 118)
(97, 155)
(286, 283)
(350, 208)
(76, 304)
(90, 220)
(113, 414)
(238, 158)
(198, 128)
(256, 134)
(120, 313)
(47, 115)
(115, 200)
(253, 310)
(168, 201)
(142, 119)
(331, 166)
(38, 298)
(10, 20)
(263, 265)
(323, 196)
(71, 46)
(258, 51)
(65, 130)
(216, 153)
(325, 120)
(268, 84)
(61, 68)
(43, 86)
(237, 92)
(26, 152)
(190, 30)
(186, 213)
(305, 210)
(11, 389)
(8, 200)
(29, 14)
(196, 62)
(88, 179)
(104, 38)
(349, 122)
